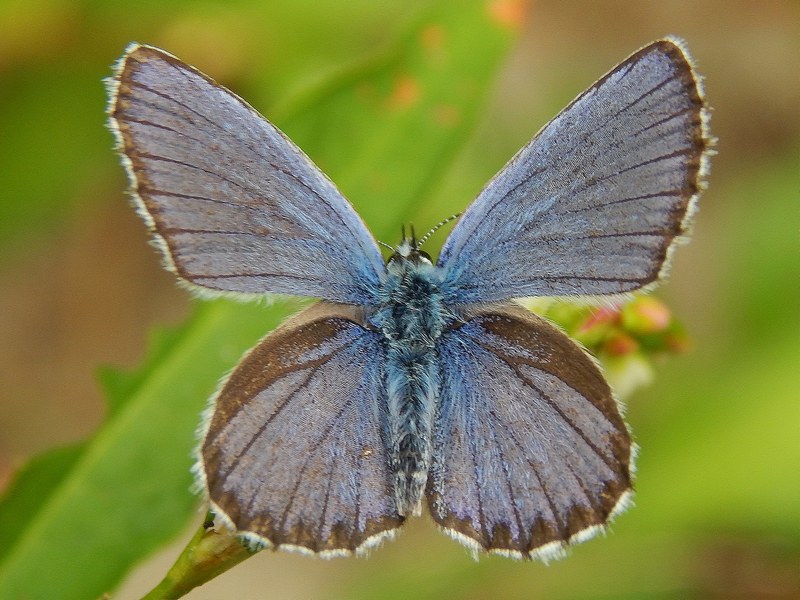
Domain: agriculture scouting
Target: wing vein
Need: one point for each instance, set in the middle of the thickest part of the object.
(474, 454)
(520, 527)
(259, 274)
(158, 192)
(589, 499)
(664, 194)
(521, 376)
(158, 158)
(255, 152)
(666, 119)
(280, 407)
(313, 451)
(649, 92)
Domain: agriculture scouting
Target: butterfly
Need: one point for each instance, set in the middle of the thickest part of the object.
(416, 381)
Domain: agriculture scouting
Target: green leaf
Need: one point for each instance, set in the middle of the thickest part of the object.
(40, 195)
(128, 491)
(119, 386)
(386, 130)
(28, 491)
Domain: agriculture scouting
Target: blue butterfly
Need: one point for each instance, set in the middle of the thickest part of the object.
(414, 380)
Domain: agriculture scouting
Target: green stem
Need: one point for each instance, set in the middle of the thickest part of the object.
(207, 555)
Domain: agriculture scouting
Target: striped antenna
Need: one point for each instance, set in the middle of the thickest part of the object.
(436, 227)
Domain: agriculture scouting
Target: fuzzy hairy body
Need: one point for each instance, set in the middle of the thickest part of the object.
(412, 317)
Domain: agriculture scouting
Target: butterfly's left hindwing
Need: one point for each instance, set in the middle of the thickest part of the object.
(530, 450)
(295, 452)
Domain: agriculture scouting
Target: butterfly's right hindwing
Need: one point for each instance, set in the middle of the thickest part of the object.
(530, 450)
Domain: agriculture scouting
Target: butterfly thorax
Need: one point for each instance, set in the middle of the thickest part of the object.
(412, 317)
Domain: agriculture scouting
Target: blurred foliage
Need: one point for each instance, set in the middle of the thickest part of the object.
(389, 98)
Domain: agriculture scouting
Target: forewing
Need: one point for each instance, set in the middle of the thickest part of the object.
(295, 451)
(234, 205)
(530, 450)
(594, 202)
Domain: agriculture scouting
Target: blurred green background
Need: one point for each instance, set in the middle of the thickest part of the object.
(717, 510)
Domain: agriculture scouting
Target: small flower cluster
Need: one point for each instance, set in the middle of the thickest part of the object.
(627, 337)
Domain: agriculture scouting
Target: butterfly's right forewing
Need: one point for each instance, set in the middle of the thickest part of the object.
(295, 450)
(594, 203)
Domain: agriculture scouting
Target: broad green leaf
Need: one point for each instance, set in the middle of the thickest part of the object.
(385, 131)
(128, 491)
(35, 135)
(118, 386)
(28, 491)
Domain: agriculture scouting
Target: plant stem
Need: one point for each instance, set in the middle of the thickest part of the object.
(208, 554)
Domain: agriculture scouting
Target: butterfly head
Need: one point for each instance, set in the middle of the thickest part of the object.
(408, 251)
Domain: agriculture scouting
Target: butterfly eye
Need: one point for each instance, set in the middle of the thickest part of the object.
(414, 257)
(420, 256)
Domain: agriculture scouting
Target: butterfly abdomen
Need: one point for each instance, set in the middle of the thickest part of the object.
(411, 319)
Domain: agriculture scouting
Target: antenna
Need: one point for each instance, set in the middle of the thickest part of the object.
(436, 227)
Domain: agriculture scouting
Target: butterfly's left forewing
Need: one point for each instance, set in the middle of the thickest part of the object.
(530, 450)
(234, 205)
(294, 454)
